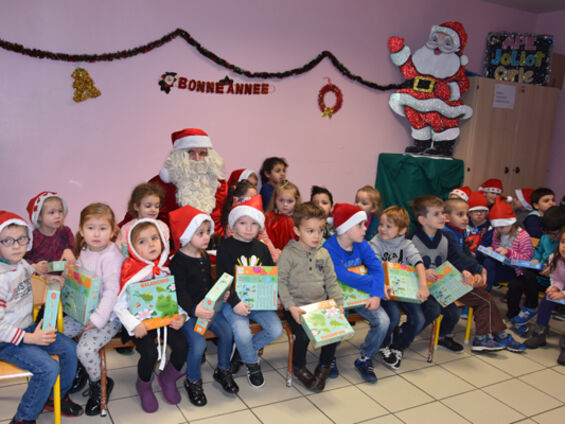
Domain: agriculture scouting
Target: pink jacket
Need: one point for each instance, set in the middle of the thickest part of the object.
(521, 249)
(557, 277)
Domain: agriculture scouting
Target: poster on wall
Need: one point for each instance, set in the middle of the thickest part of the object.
(516, 57)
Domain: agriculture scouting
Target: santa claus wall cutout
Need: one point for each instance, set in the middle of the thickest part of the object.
(435, 75)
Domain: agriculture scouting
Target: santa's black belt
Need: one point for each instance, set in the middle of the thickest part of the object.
(422, 84)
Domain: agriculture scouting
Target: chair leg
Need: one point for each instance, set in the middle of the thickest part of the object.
(103, 372)
(57, 400)
(469, 324)
(290, 350)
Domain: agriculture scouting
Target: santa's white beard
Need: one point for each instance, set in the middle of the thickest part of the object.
(196, 181)
(441, 65)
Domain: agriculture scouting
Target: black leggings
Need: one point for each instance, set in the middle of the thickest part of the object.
(147, 349)
(301, 345)
(526, 284)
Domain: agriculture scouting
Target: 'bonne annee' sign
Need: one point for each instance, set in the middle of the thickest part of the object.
(515, 57)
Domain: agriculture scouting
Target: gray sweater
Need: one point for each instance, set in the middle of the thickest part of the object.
(399, 250)
(306, 276)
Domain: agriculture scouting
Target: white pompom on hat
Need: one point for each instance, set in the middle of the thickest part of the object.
(347, 216)
(9, 218)
(252, 207)
(184, 222)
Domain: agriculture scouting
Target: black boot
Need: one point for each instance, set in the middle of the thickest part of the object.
(419, 146)
(445, 148)
(80, 379)
(93, 403)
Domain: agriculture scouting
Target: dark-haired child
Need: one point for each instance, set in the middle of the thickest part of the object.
(541, 199)
(273, 174)
(323, 198)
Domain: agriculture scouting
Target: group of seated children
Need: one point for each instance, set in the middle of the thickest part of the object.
(314, 244)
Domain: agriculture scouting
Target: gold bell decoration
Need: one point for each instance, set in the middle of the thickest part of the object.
(83, 85)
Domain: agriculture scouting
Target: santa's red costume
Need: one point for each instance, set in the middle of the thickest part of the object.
(198, 183)
(436, 75)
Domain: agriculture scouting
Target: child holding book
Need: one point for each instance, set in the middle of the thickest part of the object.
(348, 248)
(278, 222)
(99, 255)
(52, 240)
(148, 253)
(306, 275)
(323, 198)
(246, 220)
(22, 342)
(390, 244)
(273, 174)
(479, 231)
(541, 199)
(191, 267)
(369, 199)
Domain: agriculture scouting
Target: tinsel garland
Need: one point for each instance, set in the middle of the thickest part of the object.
(146, 48)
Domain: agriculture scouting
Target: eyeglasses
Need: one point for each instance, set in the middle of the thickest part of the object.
(8, 242)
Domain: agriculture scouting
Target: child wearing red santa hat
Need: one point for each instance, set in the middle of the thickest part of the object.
(148, 252)
(191, 230)
(52, 240)
(491, 188)
(243, 174)
(479, 230)
(461, 193)
(522, 204)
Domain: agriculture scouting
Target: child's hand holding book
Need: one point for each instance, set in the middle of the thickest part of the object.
(200, 312)
(296, 312)
(40, 337)
(373, 303)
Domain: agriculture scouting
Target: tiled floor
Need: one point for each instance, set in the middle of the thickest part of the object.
(496, 388)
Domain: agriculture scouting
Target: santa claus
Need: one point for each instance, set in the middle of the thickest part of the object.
(436, 77)
(193, 175)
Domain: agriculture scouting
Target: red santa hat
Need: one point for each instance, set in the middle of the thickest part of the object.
(477, 201)
(189, 138)
(492, 185)
(457, 33)
(501, 214)
(184, 222)
(524, 196)
(347, 216)
(35, 205)
(240, 175)
(9, 218)
(252, 207)
(462, 192)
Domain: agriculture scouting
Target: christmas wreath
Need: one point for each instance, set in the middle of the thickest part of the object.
(329, 111)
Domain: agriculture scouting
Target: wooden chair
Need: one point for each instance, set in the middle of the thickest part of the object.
(9, 371)
(437, 323)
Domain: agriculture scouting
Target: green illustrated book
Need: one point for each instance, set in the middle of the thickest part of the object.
(258, 286)
(214, 300)
(56, 266)
(153, 302)
(80, 293)
(402, 281)
(325, 324)
(353, 298)
(450, 286)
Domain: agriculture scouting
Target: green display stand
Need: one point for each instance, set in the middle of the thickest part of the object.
(403, 177)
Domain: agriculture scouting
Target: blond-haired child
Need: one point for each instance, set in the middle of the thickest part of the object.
(369, 199)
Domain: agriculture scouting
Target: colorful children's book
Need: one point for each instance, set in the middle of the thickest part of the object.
(403, 282)
(153, 302)
(510, 262)
(56, 266)
(80, 293)
(325, 324)
(51, 306)
(214, 300)
(353, 298)
(258, 286)
(449, 286)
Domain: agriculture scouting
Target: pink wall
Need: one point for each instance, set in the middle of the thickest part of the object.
(99, 149)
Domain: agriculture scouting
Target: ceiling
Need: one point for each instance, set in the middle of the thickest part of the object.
(535, 6)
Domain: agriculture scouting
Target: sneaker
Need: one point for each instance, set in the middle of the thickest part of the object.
(68, 407)
(255, 376)
(525, 315)
(521, 330)
(398, 355)
(487, 343)
(334, 372)
(511, 344)
(225, 378)
(388, 357)
(366, 370)
(195, 392)
(449, 344)
(465, 312)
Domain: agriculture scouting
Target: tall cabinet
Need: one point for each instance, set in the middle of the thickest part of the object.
(512, 144)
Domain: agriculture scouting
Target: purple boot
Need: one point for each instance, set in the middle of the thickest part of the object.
(168, 381)
(148, 400)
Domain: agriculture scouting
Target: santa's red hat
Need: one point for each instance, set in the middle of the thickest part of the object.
(252, 207)
(501, 214)
(189, 138)
(457, 33)
(239, 175)
(524, 196)
(462, 192)
(36, 203)
(184, 222)
(492, 185)
(9, 218)
(477, 201)
(347, 216)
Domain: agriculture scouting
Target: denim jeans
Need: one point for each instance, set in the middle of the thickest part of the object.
(409, 330)
(379, 323)
(451, 314)
(248, 344)
(497, 272)
(45, 369)
(197, 344)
